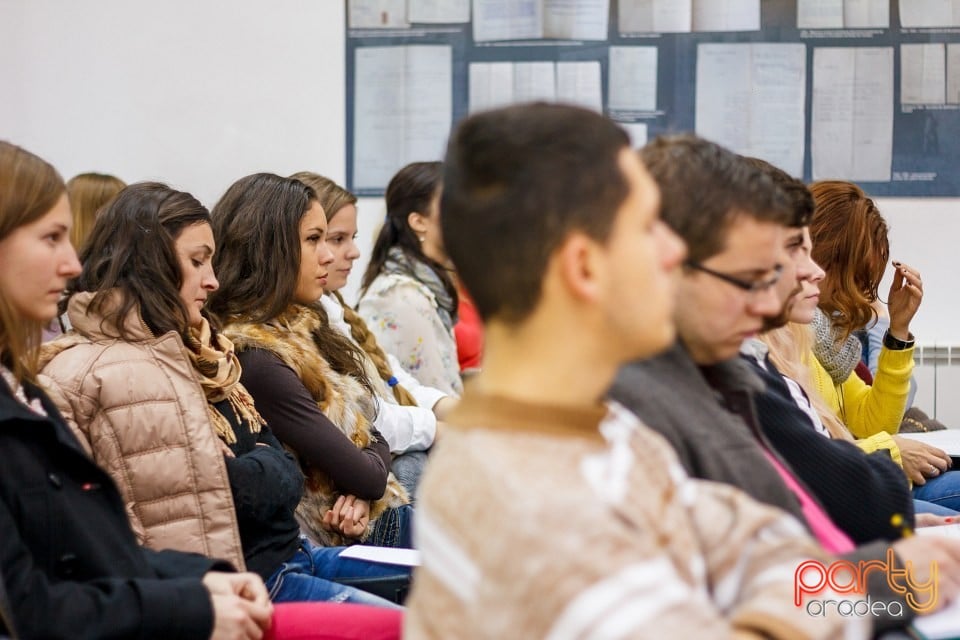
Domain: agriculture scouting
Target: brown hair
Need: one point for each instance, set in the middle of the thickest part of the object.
(257, 227)
(132, 248)
(88, 193)
(332, 198)
(850, 243)
(517, 181)
(705, 187)
(31, 188)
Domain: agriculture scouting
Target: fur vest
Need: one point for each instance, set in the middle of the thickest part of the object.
(291, 337)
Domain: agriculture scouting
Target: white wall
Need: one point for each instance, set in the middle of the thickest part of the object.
(198, 93)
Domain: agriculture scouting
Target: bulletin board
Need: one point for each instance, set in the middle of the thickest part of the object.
(862, 90)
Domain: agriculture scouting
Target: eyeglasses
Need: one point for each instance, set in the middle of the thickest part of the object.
(750, 286)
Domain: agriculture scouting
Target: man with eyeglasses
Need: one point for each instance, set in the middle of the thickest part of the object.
(699, 393)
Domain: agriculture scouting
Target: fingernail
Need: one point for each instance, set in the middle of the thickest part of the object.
(948, 519)
(896, 264)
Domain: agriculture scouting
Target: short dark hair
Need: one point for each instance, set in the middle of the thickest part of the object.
(704, 187)
(132, 248)
(797, 193)
(516, 182)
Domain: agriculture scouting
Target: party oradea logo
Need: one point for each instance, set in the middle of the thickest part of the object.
(816, 585)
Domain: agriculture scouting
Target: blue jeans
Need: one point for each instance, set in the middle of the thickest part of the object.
(408, 467)
(313, 573)
(922, 506)
(394, 528)
(944, 490)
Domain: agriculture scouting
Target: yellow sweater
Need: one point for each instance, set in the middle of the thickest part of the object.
(871, 413)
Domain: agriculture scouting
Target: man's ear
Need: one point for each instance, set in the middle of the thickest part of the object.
(580, 266)
(417, 222)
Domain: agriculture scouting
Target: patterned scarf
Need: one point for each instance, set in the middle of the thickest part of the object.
(400, 263)
(837, 356)
(219, 371)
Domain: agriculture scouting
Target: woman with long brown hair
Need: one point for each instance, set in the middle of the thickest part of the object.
(307, 379)
(408, 296)
(407, 411)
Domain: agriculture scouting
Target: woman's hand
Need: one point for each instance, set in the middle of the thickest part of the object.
(349, 516)
(920, 460)
(906, 293)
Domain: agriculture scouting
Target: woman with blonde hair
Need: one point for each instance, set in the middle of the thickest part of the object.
(407, 411)
(88, 193)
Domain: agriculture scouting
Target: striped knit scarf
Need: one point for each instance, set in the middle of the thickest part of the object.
(218, 368)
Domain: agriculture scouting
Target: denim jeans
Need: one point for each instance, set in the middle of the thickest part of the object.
(408, 467)
(922, 506)
(313, 573)
(394, 528)
(944, 490)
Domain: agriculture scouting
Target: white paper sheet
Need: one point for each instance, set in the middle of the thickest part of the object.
(534, 81)
(820, 14)
(866, 14)
(507, 20)
(953, 73)
(929, 13)
(579, 83)
(438, 11)
(947, 439)
(637, 132)
(384, 555)
(497, 84)
(852, 120)
(923, 74)
(633, 78)
(750, 98)
(576, 19)
(377, 14)
(402, 109)
(491, 85)
(655, 16)
(726, 15)
(942, 625)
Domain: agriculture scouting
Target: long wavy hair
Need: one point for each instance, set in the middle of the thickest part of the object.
(132, 248)
(850, 242)
(791, 347)
(333, 198)
(30, 189)
(257, 227)
(411, 189)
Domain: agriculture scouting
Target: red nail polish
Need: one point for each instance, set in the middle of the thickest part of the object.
(948, 519)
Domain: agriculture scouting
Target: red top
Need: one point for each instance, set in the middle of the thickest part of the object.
(469, 334)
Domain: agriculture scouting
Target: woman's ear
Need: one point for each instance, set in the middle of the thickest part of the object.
(417, 222)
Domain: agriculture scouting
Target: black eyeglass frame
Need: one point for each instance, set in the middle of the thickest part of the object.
(750, 286)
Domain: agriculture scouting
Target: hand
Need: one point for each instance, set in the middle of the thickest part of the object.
(225, 449)
(906, 292)
(349, 515)
(444, 406)
(237, 619)
(930, 520)
(920, 460)
(922, 551)
(248, 586)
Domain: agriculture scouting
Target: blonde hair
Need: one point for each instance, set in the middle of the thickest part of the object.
(333, 198)
(791, 347)
(88, 193)
(31, 188)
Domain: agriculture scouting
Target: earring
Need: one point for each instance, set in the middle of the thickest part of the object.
(422, 238)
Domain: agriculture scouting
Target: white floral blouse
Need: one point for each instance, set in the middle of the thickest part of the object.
(402, 313)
